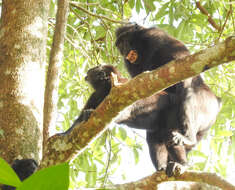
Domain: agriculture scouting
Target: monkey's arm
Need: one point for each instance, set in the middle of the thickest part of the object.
(145, 113)
(90, 106)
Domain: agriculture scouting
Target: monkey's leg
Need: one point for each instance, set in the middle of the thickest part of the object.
(159, 155)
(178, 160)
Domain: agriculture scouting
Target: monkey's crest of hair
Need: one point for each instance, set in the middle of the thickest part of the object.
(126, 30)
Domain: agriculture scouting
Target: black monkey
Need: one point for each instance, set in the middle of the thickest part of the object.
(23, 168)
(175, 119)
(100, 79)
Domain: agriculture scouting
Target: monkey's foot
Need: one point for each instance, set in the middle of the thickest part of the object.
(132, 56)
(175, 169)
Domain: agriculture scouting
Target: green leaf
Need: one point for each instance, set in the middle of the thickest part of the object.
(136, 155)
(180, 30)
(225, 133)
(149, 5)
(114, 158)
(162, 12)
(127, 10)
(52, 178)
(100, 32)
(91, 176)
(123, 134)
(101, 140)
(8, 175)
(131, 3)
(138, 5)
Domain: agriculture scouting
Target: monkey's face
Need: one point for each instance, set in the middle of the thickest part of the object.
(99, 77)
(126, 37)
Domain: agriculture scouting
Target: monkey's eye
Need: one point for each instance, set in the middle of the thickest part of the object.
(99, 75)
(136, 26)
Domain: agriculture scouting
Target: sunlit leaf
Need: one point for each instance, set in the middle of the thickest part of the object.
(138, 5)
(131, 3)
(136, 155)
(162, 11)
(53, 178)
(225, 133)
(8, 175)
(123, 133)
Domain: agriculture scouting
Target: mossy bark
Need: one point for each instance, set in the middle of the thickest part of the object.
(23, 35)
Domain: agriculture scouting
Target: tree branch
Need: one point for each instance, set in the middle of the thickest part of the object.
(229, 13)
(210, 19)
(64, 148)
(152, 181)
(56, 58)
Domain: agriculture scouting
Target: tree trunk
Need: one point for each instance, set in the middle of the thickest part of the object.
(23, 37)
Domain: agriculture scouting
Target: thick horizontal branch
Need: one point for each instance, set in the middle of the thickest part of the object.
(63, 148)
(152, 181)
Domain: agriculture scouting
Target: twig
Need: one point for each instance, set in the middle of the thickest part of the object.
(108, 160)
(228, 14)
(56, 58)
(98, 16)
(92, 38)
(84, 4)
(210, 19)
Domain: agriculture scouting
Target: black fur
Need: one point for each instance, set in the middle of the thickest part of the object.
(23, 168)
(100, 79)
(177, 118)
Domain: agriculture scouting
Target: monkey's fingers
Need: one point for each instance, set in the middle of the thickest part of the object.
(114, 79)
(132, 56)
(117, 80)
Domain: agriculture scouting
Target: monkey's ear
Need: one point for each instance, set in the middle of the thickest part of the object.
(132, 56)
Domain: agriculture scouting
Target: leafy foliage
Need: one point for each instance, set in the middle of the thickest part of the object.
(55, 177)
(90, 41)
(8, 175)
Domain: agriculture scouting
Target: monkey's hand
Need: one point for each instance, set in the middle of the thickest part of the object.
(117, 80)
(179, 139)
(132, 56)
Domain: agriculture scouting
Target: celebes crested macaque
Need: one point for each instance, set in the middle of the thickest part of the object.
(23, 168)
(100, 79)
(178, 117)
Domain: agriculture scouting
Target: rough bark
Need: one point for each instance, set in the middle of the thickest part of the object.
(23, 35)
(63, 148)
(153, 181)
(53, 73)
